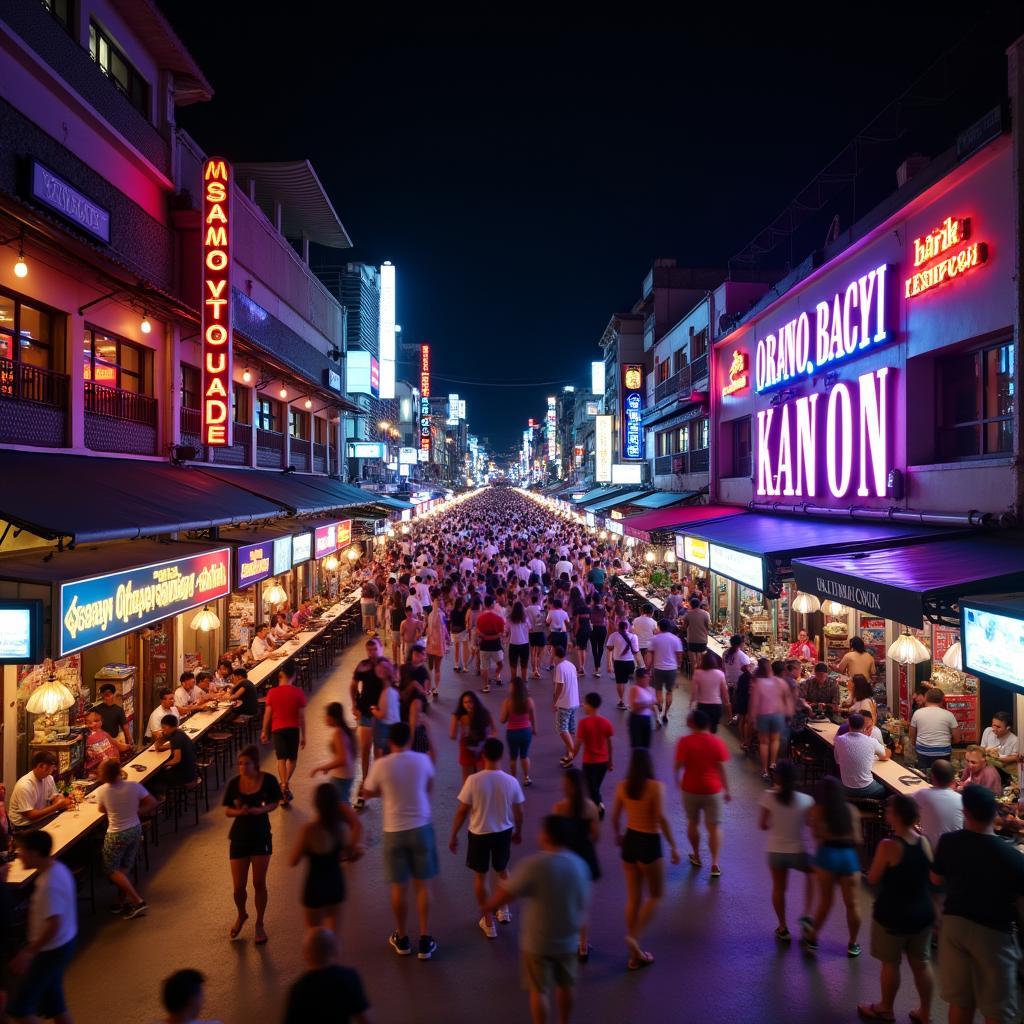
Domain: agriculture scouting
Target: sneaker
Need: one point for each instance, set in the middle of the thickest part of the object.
(600, 812)
(621, 706)
(136, 909)
(359, 803)
(487, 927)
(400, 944)
(428, 947)
(527, 781)
(597, 675)
(504, 915)
(853, 950)
(116, 908)
(485, 689)
(765, 777)
(782, 934)
(716, 871)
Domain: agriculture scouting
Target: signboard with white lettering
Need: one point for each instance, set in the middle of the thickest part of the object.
(253, 562)
(302, 547)
(738, 565)
(282, 554)
(62, 197)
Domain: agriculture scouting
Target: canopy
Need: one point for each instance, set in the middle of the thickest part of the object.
(663, 499)
(299, 493)
(643, 525)
(595, 494)
(911, 584)
(88, 499)
(606, 504)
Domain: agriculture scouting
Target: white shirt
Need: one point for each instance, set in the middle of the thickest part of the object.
(121, 802)
(1009, 744)
(537, 566)
(259, 648)
(413, 603)
(562, 566)
(519, 633)
(423, 593)
(184, 699)
(523, 572)
(644, 627)
(733, 667)
(490, 796)
(666, 647)
(565, 673)
(55, 895)
(535, 618)
(856, 754)
(942, 811)
(934, 727)
(402, 779)
(390, 706)
(786, 825)
(558, 620)
(467, 565)
(622, 648)
(153, 728)
(490, 550)
(29, 794)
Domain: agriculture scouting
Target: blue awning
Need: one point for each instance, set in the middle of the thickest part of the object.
(596, 494)
(664, 499)
(627, 498)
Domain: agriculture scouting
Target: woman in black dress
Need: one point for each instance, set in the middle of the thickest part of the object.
(249, 799)
(332, 836)
(413, 685)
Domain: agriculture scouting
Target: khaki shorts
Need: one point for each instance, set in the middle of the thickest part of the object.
(978, 967)
(889, 947)
(710, 803)
(543, 973)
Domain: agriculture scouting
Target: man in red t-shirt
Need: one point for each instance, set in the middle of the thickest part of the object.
(490, 628)
(701, 757)
(285, 718)
(594, 738)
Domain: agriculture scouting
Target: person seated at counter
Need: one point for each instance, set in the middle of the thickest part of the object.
(855, 754)
(261, 648)
(933, 731)
(801, 648)
(188, 697)
(819, 692)
(100, 745)
(35, 797)
(302, 615)
(180, 768)
(222, 677)
(870, 727)
(165, 707)
(281, 631)
(978, 772)
(112, 714)
(1000, 743)
(207, 685)
(243, 690)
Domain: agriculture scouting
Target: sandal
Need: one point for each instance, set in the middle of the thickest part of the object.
(782, 934)
(695, 860)
(868, 1012)
(261, 937)
(583, 953)
(637, 964)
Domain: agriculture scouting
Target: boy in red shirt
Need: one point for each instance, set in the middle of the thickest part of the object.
(702, 757)
(285, 718)
(594, 738)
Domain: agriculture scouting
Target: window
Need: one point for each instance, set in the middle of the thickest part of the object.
(190, 384)
(699, 433)
(683, 442)
(698, 344)
(320, 428)
(116, 363)
(38, 333)
(976, 396)
(662, 372)
(113, 63)
(666, 441)
(61, 11)
(298, 424)
(678, 360)
(741, 465)
(268, 416)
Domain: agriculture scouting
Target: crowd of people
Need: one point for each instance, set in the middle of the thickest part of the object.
(515, 595)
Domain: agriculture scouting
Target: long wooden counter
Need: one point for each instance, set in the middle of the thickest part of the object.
(889, 773)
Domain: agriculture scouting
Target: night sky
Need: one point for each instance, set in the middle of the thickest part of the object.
(523, 182)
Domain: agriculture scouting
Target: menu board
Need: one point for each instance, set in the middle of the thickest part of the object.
(965, 707)
(942, 639)
(241, 619)
(872, 632)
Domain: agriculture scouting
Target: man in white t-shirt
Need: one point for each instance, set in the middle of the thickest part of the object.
(536, 565)
(666, 651)
(934, 730)
(856, 753)
(165, 707)
(34, 797)
(493, 801)
(565, 702)
(403, 780)
(467, 564)
(563, 567)
(941, 806)
(645, 627)
(52, 927)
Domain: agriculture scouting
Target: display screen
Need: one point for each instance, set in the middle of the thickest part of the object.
(302, 547)
(993, 645)
(738, 566)
(20, 632)
(591, 519)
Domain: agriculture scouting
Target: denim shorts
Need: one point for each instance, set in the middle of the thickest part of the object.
(343, 787)
(771, 723)
(411, 853)
(519, 742)
(567, 720)
(838, 860)
(42, 989)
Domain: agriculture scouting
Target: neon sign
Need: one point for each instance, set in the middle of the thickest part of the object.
(603, 449)
(425, 400)
(827, 444)
(216, 312)
(632, 407)
(738, 379)
(552, 419)
(949, 234)
(852, 320)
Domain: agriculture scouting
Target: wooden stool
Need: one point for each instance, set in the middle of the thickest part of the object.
(221, 748)
(179, 796)
(303, 674)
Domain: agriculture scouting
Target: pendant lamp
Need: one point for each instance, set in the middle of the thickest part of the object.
(953, 658)
(275, 595)
(908, 650)
(804, 604)
(51, 697)
(206, 620)
(833, 608)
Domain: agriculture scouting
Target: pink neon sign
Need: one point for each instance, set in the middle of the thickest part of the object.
(828, 444)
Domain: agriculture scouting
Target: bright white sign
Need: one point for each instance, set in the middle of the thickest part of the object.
(406, 456)
(625, 473)
(552, 421)
(603, 449)
(613, 527)
(386, 331)
(738, 566)
(597, 378)
(993, 645)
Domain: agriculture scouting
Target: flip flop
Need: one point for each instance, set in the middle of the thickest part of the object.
(237, 929)
(645, 960)
(867, 1011)
(261, 941)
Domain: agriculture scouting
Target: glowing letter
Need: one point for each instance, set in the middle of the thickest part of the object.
(880, 332)
(806, 468)
(867, 288)
(821, 334)
(785, 454)
(849, 330)
(873, 432)
(839, 441)
(765, 479)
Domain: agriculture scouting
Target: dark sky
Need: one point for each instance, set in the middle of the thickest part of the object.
(523, 182)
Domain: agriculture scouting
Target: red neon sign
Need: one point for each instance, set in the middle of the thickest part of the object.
(216, 319)
(738, 378)
(425, 433)
(935, 263)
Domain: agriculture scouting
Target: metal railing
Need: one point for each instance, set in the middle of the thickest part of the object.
(25, 383)
(120, 404)
(698, 369)
(681, 463)
(269, 439)
(191, 421)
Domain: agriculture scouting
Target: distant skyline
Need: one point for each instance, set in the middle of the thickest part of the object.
(523, 183)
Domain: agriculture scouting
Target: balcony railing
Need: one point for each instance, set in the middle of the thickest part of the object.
(191, 422)
(698, 369)
(25, 383)
(120, 404)
(677, 382)
(682, 463)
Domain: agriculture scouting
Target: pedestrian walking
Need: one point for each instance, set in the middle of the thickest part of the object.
(519, 714)
(182, 995)
(584, 820)
(666, 652)
(285, 720)
(471, 724)
(709, 692)
(565, 702)
(340, 766)
(594, 737)
(642, 701)
(701, 758)
(327, 993)
(624, 650)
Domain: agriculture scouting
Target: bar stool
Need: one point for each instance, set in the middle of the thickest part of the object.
(179, 796)
(243, 727)
(221, 749)
(873, 827)
(303, 674)
(317, 652)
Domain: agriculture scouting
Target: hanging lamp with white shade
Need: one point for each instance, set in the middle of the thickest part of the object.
(804, 604)
(953, 658)
(206, 620)
(833, 608)
(908, 650)
(275, 595)
(331, 563)
(51, 697)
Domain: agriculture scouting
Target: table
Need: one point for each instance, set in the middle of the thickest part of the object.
(889, 773)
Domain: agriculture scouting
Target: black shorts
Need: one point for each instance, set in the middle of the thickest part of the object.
(623, 671)
(696, 647)
(558, 639)
(286, 744)
(243, 849)
(493, 849)
(641, 847)
(536, 639)
(518, 654)
(582, 638)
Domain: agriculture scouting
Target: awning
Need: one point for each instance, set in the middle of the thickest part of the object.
(595, 494)
(607, 504)
(911, 584)
(663, 499)
(756, 549)
(647, 523)
(301, 494)
(387, 501)
(97, 499)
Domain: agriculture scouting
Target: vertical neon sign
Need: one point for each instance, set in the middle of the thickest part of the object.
(216, 312)
(552, 422)
(632, 407)
(425, 398)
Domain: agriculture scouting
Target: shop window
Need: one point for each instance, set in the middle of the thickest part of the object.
(699, 434)
(116, 363)
(268, 415)
(741, 453)
(298, 424)
(666, 442)
(61, 11)
(116, 66)
(320, 430)
(240, 406)
(190, 385)
(30, 335)
(976, 396)
(683, 443)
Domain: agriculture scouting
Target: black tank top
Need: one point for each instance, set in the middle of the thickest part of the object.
(904, 903)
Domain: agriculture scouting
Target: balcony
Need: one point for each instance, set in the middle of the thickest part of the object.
(33, 405)
(119, 421)
(298, 454)
(679, 381)
(682, 463)
(238, 452)
(269, 449)
(698, 370)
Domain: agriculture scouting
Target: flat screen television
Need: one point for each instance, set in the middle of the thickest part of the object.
(21, 632)
(992, 639)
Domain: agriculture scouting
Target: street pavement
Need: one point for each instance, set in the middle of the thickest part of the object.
(716, 958)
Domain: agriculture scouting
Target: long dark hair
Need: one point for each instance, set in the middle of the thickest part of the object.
(518, 613)
(735, 642)
(336, 713)
(640, 772)
(520, 696)
(785, 776)
(861, 687)
(577, 794)
(623, 626)
(857, 644)
(325, 803)
(835, 807)
(480, 721)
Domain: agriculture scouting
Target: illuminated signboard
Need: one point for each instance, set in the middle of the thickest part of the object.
(603, 449)
(116, 603)
(590, 518)
(935, 263)
(216, 305)
(423, 455)
(62, 196)
(828, 443)
(367, 450)
(406, 456)
(302, 548)
(344, 533)
(597, 378)
(593, 408)
(692, 550)
(453, 411)
(325, 540)
(253, 562)
(632, 408)
(282, 555)
(552, 420)
(462, 408)
(738, 377)
(360, 373)
(386, 331)
(374, 377)
(613, 527)
(738, 566)
(425, 401)
(850, 321)
(626, 473)
(993, 644)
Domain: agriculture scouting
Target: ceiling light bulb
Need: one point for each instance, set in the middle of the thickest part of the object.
(21, 267)
(145, 326)
(330, 563)
(353, 554)
(308, 403)
(283, 392)
(247, 375)
(649, 557)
